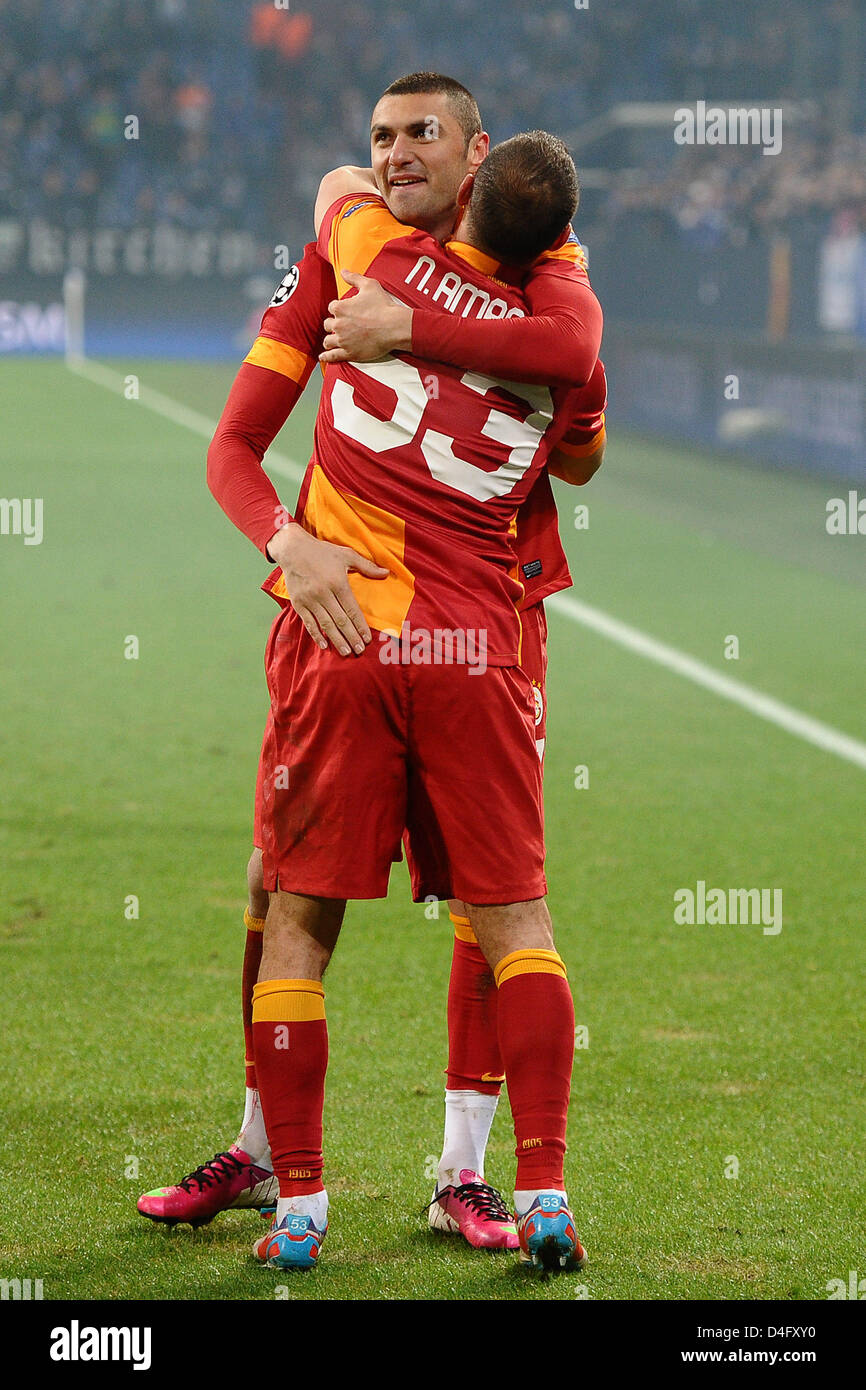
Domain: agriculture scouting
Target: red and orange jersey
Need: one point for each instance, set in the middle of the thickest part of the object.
(424, 466)
(542, 566)
(276, 370)
(291, 332)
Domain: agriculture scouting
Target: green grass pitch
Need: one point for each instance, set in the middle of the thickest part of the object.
(711, 1049)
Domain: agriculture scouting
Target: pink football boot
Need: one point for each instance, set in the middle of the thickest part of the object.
(474, 1210)
(231, 1179)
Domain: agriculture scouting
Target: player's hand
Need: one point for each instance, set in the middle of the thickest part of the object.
(319, 591)
(367, 326)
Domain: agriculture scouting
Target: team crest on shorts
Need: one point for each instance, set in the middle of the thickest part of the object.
(286, 288)
(539, 703)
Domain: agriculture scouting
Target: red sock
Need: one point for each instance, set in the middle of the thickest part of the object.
(252, 961)
(536, 1034)
(291, 1048)
(474, 1059)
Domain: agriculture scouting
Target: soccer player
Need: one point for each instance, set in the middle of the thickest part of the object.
(265, 391)
(450, 467)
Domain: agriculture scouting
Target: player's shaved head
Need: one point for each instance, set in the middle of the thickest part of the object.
(460, 99)
(523, 197)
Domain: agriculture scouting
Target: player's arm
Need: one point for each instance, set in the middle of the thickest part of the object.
(265, 390)
(349, 178)
(580, 451)
(576, 464)
(557, 344)
(255, 412)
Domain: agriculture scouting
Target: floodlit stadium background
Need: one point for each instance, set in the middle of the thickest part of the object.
(734, 288)
(701, 254)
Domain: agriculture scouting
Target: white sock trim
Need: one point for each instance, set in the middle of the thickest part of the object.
(468, 1120)
(314, 1204)
(524, 1197)
(253, 1138)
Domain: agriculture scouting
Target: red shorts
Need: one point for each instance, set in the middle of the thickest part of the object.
(357, 750)
(533, 659)
(428, 870)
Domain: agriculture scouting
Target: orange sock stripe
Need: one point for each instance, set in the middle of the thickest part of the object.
(281, 986)
(253, 923)
(462, 929)
(529, 962)
(288, 1001)
(289, 1008)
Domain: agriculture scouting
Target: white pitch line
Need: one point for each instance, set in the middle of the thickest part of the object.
(175, 412)
(764, 706)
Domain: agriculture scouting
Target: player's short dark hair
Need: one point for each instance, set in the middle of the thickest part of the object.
(524, 195)
(460, 99)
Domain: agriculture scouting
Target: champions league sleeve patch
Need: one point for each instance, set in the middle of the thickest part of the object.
(286, 288)
(367, 203)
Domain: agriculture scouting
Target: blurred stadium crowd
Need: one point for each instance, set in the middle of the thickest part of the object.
(818, 180)
(242, 106)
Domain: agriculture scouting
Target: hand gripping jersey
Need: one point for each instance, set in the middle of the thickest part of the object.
(424, 466)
